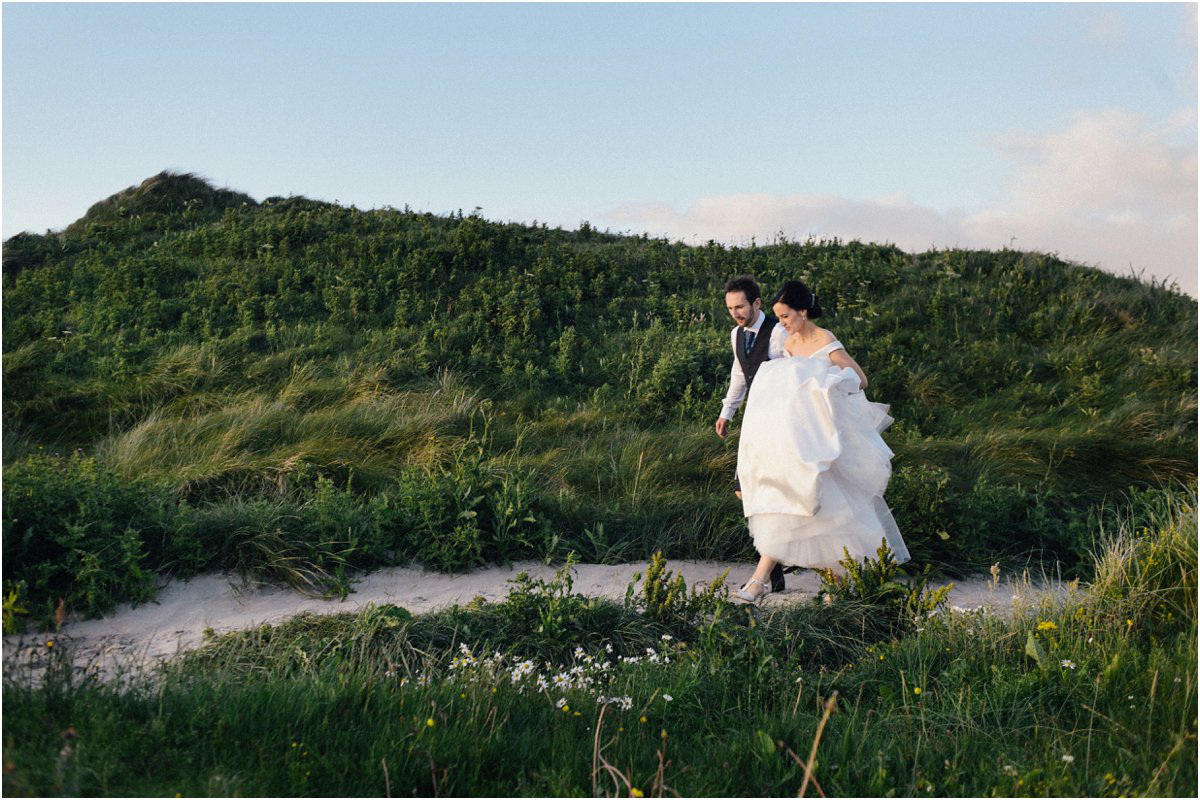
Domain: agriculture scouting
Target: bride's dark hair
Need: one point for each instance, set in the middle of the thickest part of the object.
(795, 294)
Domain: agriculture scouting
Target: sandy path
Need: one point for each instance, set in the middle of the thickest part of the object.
(177, 619)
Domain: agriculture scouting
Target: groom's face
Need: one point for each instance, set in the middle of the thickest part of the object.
(743, 313)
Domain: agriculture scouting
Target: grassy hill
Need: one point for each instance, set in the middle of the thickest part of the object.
(196, 380)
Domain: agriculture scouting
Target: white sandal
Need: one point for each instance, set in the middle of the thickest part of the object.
(742, 594)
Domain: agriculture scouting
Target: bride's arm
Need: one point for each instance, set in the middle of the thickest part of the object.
(841, 358)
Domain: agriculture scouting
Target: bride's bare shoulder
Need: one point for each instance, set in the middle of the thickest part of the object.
(826, 336)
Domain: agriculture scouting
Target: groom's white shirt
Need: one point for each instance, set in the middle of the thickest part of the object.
(737, 378)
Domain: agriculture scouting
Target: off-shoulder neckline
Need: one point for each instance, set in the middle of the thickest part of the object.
(818, 350)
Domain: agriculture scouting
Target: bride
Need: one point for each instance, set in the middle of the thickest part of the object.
(811, 462)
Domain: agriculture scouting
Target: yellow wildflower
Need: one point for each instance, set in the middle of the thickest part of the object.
(429, 722)
(1047, 625)
(637, 792)
(916, 690)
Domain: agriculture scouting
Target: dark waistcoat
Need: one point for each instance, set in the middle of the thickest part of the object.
(758, 354)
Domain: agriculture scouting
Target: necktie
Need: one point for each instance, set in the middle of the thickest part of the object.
(750, 335)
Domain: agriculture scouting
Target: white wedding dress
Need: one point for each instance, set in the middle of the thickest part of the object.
(812, 465)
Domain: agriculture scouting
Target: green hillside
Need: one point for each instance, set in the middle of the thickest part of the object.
(195, 380)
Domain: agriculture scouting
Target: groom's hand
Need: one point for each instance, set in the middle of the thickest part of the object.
(722, 423)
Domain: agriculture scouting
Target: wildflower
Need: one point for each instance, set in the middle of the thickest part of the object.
(1177, 680)
(666, 637)
(608, 647)
(521, 670)
(577, 713)
(1047, 625)
(643, 718)
(1090, 639)
(637, 792)
(1068, 758)
(1068, 663)
(50, 643)
(1009, 769)
(562, 701)
(566, 709)
(916, 690)
(668, 698)
(429, 722)
(578, 652)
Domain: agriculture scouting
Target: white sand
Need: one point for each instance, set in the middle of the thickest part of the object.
(183, 610)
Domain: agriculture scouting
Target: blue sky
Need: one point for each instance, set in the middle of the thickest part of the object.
(1068, 128)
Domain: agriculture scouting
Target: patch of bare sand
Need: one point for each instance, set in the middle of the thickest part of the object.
(141, 636)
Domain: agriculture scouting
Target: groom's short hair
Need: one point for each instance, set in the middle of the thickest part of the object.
(743, 283)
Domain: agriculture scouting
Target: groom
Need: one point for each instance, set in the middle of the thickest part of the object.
(756, 338)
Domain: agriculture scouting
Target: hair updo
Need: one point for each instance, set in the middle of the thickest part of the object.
(796, 295)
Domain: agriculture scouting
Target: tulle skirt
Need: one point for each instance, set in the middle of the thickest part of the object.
(813, 466)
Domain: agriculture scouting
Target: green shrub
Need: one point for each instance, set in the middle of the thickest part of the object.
(75, 531)
(666, 598)
(877, 582)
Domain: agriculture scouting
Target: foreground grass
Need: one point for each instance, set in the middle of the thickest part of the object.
(550, 693)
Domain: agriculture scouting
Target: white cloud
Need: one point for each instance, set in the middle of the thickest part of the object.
(1109, 190)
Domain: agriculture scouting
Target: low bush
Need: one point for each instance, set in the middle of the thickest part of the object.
(78, 533)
